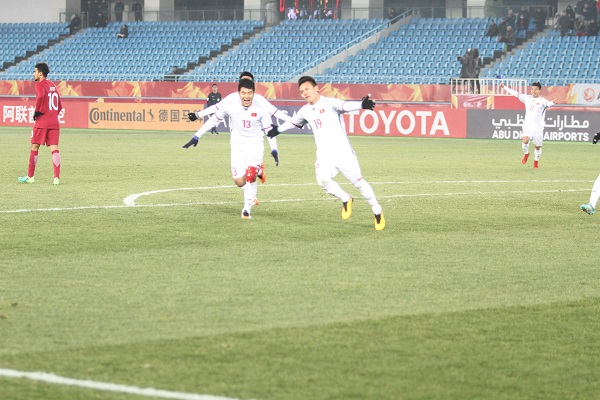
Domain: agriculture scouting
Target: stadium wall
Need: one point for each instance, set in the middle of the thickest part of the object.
(32, 10)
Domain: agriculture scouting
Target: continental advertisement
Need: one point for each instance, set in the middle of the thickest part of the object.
(141, 116)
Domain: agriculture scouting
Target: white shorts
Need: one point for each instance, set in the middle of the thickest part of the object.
(535, 135)
(245, 155)
(327, 167)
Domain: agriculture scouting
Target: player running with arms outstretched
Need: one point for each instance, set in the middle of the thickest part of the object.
(248, 124)
(259, 100)
(334, 153)
(533, 127)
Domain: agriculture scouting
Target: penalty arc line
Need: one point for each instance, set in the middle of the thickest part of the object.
(110, 387)
(130, 201)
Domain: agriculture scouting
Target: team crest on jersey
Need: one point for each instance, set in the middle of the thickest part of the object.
(254, 114)
(322, 110)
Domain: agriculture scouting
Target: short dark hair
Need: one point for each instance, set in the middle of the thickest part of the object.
(307, 79)
(248, 74)
(214, 84)
(247, 84)
(43, 68)
(539, 85)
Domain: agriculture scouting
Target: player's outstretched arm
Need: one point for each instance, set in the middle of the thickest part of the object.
(596, 138)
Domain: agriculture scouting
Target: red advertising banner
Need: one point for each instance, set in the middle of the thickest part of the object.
(19, 112)
(385, 120)
(200, 90)
(396, 120)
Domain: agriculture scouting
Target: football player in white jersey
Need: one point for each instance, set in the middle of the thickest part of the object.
(248, 124)
(535, 120)
(590, 207)
(258, 99)
(334, 152)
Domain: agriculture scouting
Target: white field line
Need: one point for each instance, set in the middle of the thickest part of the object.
(130, 201)
(110, 387)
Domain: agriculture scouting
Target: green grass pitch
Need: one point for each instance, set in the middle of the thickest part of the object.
(485, 283)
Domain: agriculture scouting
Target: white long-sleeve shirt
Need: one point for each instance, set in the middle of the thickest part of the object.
(327, 123)
(248, 124)
(535, 109)
(235, 98)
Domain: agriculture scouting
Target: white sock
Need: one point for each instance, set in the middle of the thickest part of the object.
(525, 148)
(537, 154)
(250, 190)
(367, 192)
(595, 192)
(272, 143)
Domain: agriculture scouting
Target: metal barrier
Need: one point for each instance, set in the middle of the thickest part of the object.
(486, 86)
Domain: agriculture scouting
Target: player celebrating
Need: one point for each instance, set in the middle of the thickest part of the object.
(334, 152)
(260, 101)
(46, 130)
(533, 127)
(590, 207)
(248, 124)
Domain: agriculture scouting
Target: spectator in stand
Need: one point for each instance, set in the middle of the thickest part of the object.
(540, 19)
(524, 13)
(75, 24)
(593, 28)
(101, 21)
(511, 19)
(174, 74)
(92, 13)
(588, 13)
(580, 28)
(502, 27)
(136, 7)
(124, 32)
(570, 13)
(492, 29)
(119, 8)
(579, 7)
(391, 14)
(509, 36)
(565, 25)
(104, 8)
(522, 25)
(292, 13)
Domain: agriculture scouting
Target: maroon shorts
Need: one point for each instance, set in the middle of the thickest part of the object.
(45, 136)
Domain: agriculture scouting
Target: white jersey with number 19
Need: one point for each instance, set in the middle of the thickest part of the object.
(325, 117)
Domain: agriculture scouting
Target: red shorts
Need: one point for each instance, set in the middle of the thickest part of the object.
(45, 136)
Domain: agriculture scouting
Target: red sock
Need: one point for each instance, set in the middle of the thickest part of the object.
(56, 163)
(33, 156)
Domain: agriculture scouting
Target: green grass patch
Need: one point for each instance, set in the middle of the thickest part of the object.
(484, 284)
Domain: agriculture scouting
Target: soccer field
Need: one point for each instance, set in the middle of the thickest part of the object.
(138, 271)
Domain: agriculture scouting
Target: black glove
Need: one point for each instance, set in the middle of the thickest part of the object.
(37, 114)
(275, 155)
(193, 142)
(596, 138)
(367, 103)
(192, 116)
(273, 132)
